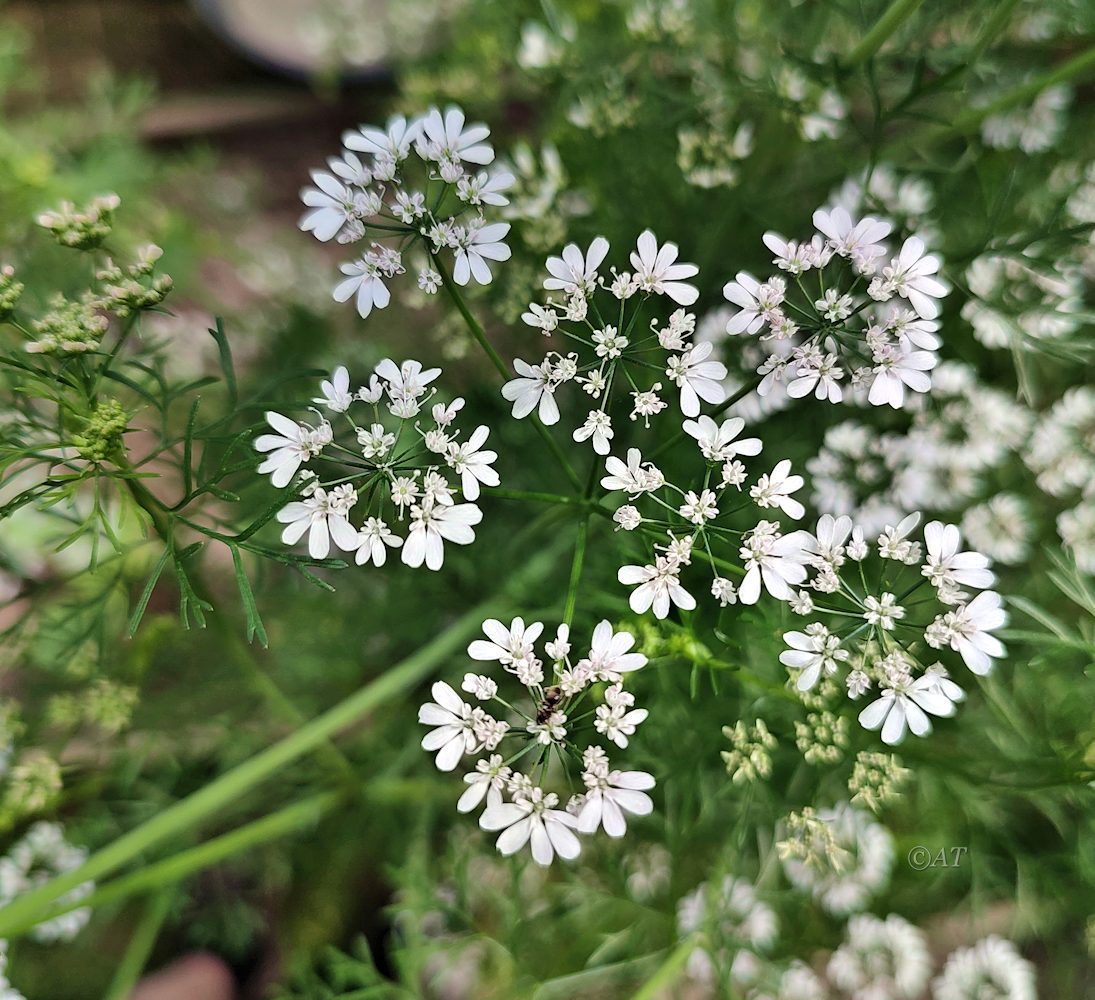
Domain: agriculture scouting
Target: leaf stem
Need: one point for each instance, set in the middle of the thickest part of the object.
(225, 791)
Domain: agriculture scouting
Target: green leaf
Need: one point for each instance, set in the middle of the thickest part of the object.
(218, 334)
(254, 620)
(146, 594)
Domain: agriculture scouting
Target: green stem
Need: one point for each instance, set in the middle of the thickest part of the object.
(884, 27)
(282, 705)
(576, 570)
(1074, 67)
(668, 972)
(225, 791)
(140, 946)
(534, 496)
(480, 335)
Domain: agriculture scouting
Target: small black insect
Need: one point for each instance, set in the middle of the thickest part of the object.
(552, 696)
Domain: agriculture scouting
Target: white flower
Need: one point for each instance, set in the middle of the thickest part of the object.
(814, 652)
(744, 292)
(374, 540)
(544, 319)
(291, 447)
(697, 378)
(628, 517)
(717, 441)
(575, 273)
(533, 389)
(434, 524)
(861, 241)
(699, 508)
(910, 275)
(773, 559)
(446, 140)
(486, 781)
(775, 489)
(476, 244)
(615, 722)
(325, 517)
(484, 188)
(633, 478)
(656, 587)
(819, 375)
(610, 795)
(881, 959)
(609, 655)
(723, 591)
(534, 818)
(331, 205)
(365, 280)
(656, 271)
(897, 367)
(454, 722)
(967, 631)
(598, 425)
(909, 705)
(336, 392)
(991, 968)
(508, 646)
(946, 567)
(472, 464)
(393, 143)
(408, 380)
(883, 611)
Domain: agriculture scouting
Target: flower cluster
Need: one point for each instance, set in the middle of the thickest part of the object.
(1062, 455)
(391, 470)
(868, 326)
(418, 181)
(40, 855)
(82, 228)
(881, 958)
(736, 926)
(941, 462)
(879, 619)
(601, 315)
(853, 869)
(696, 522)
(565, 708)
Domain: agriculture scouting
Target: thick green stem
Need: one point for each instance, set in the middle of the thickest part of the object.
(140, 947)
(668, 972)
(477, 331)
(884, 27)
(576, 570)
(227, 790)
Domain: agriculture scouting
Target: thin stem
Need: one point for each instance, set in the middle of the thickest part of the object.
(225, 791)
(477, 331)
(718, 410)
(1074, 67)
(884, 27)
